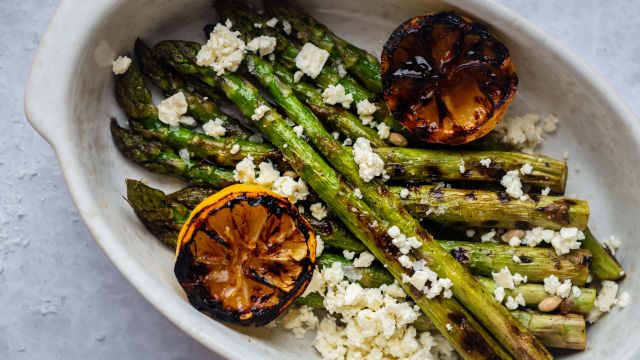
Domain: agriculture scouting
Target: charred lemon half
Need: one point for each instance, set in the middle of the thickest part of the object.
(447, 78)
(245, 255)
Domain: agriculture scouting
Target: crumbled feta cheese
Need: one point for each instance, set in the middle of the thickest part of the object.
(357, 193)
(461, 166)
(349, 255)
(184, 155)
(516, 259)
(384, 131)
(624, 299)
(405, 261)
(365, 111)
(512, 184)
(342, 72)
(565, 155)
(121, 65)
(545, 191)
(524, 132)
(172, 109)
(336, 94)
(290, 188)
(214, 128)
(272, 22)
(449, 326)
(347, 142)
(370, 164)
(499, 293)
(235, 149)
(515, 241)
(318, 211)
(311, 59)
(300, 320)
(297, 76)
(335, 135)
(286, 26)
(223, 51)
(488, 237)
(262, 45)
(259, 112)
(299, 130)
(404, 193)
(526, 169)
(575, 291)
(257, 25)
(612, 243)
(553, 286)
(485, 162)
(503, 278)
(319, 245)
(470, 233)
(607, 296)
(364, 260)
(245, 171)
(267, 175)
(513, 304)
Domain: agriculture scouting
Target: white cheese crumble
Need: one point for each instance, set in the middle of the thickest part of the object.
(342, 72)
(525, 132)
(365, 259)
(383, 131)
(286, 26)
(311, 59)
(319, 245)
(357, 193)
(512, 304)
(300, 320)
(499, 293)
(516, 259)
(512, 184)
(488, 237)
(214, 128)
(504, 279)
(405, 261)
(235, 149)
(349, 255)
(370, 164)
(563, 241)
(184, 155)
(449, 326)
(272, 22)
(297, 76)
(470, 233)
(612, 243)
(365, 111)
(607, 300)
(298, 130)
(172, 109)
(461, 166)
(545, 191)
(270, 178)
(485, 162)
(120, 65)
(526, 169)
(336, 94)
(401, 241)
(262, 45)
(347, 142)
(553, 286)
(223, 51)
(318, 211)
(404, 193)
(259, 112)
(257, 25)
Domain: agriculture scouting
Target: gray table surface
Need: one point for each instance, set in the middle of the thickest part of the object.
(61, 298)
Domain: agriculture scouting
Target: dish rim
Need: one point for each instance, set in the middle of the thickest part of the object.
(57, 40)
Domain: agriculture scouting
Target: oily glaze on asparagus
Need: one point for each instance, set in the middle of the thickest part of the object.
(340, 197)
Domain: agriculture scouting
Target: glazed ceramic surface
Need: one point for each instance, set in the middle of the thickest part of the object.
(70, 100)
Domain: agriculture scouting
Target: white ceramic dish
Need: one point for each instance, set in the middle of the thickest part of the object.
(69, 101)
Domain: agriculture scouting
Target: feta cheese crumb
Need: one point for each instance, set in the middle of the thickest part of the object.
(384, 131)
(370, 164)
(575, 291)
(300, 320)
(342, 72)
(553, 286)
(364, 260)
(335, 135)
(286, 26)
(120, 65)
(405, 261)
(545, 191)
(184, 155)
(513, 304)
(516, 259)
(404, 193)
(336, 94)
(485, 162)
(624, 299)
(365, 111)
(297, 76)
(347, 142)
(488, 237)
(349, 255)
(267, 175)
(612, 243)
(245, 171)
(257, 25)
(299, 130)
(526, 169)
(470, 233)
(449, 326)
(259, 112)
(512, 184)
(214, 128)
(461, 166)
(262, 45)
(524, 132)
(311, 59)
(503, 278)
(172, 109)
(223, 51)
(272, 22)
(357, 193)
(235, 149)
(499, 293)
(319, 245)
(318, 211)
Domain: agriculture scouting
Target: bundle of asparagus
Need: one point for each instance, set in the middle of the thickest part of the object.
(482, 328)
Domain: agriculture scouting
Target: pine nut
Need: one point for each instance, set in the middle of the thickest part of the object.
(398, 139)
(506, 237)
(549, 304)
(291, 174)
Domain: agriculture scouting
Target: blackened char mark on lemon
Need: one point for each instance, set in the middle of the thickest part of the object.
(427, 58)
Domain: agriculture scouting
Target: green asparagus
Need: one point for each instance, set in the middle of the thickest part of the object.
(604, 265)
(354, 212)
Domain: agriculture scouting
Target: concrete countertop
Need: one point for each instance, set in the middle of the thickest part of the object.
(60, 296)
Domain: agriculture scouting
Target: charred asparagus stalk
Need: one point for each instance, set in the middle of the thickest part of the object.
(604, 265)
(202, 108)
(353, 211)
(307, 29)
